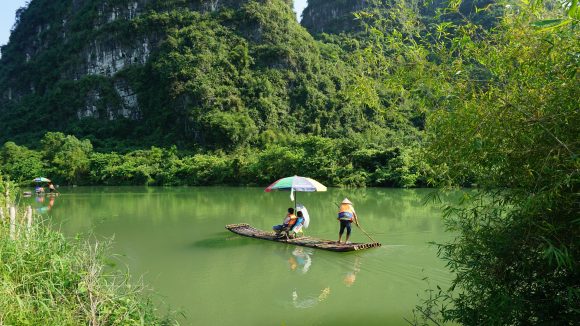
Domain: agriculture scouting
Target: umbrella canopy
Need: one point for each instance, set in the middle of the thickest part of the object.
(296, 183)
(41, 179)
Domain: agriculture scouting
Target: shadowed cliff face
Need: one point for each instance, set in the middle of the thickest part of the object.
(333, 16)
(337, 16)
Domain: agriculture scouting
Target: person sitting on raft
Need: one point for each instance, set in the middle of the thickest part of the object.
(288, 222)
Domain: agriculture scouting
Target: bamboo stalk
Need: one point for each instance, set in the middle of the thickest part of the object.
(7, 197)
(29, 218)
(12, 210)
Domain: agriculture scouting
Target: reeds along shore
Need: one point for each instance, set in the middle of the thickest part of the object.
(25, 224)
(51, 280)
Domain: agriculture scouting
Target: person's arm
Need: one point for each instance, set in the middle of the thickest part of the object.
(355, 218)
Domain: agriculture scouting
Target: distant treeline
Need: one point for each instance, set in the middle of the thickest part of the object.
(344, 162)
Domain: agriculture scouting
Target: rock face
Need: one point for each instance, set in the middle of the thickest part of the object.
(101, 47)
(334, 16)
(108, 59)
(103, 50)
(75, 37)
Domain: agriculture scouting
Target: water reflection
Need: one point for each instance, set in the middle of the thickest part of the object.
(350, 276)
(300, 260)
(305, 295)
(309, 302)
(41, 200)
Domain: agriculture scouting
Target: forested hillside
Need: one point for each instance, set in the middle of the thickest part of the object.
(236, 92)
(231, 77)
(200, 74)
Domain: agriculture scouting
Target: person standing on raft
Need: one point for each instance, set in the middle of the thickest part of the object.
(346, 215)
(52, 189)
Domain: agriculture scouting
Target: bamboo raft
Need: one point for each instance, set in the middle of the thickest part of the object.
(249, 231)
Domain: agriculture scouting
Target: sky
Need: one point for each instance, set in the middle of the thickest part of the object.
(7, 14)
(8, 10)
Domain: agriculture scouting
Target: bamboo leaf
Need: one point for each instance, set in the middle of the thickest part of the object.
(551, 23)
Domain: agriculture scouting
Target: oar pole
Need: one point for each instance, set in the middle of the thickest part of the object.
(373, 240)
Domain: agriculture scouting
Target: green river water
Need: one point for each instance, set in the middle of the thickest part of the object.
(175, 239)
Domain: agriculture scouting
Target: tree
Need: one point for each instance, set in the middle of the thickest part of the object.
(514, 133)
(21, 163)
(67, 156)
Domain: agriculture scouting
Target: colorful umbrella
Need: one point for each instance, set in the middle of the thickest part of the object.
(296, 183)
(41, 179)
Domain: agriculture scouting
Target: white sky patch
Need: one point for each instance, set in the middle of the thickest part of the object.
(8, 16)
(299, 6)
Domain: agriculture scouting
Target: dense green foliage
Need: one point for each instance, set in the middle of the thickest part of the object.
(50, 280)
(234, 86)
(348, 162)
(511, 126)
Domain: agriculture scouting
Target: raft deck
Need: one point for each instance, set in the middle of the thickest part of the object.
(249, 231)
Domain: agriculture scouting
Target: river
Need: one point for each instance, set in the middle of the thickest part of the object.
(175, 239)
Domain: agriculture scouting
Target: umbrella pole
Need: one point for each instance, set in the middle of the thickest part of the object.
(295, 201)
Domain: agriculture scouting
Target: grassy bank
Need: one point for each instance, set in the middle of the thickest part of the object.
(47, 279)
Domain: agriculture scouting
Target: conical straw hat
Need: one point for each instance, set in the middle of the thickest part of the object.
(346, 201)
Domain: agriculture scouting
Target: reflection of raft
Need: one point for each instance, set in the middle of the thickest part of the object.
(249, 231)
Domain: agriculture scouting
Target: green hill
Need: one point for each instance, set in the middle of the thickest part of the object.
(200, 74)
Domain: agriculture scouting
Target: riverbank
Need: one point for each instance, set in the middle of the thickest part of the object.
(353, 162)
(48, 279)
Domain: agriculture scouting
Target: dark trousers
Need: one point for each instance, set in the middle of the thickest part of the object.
(343, 225)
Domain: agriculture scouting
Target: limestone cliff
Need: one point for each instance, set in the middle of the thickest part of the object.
(85, 38)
